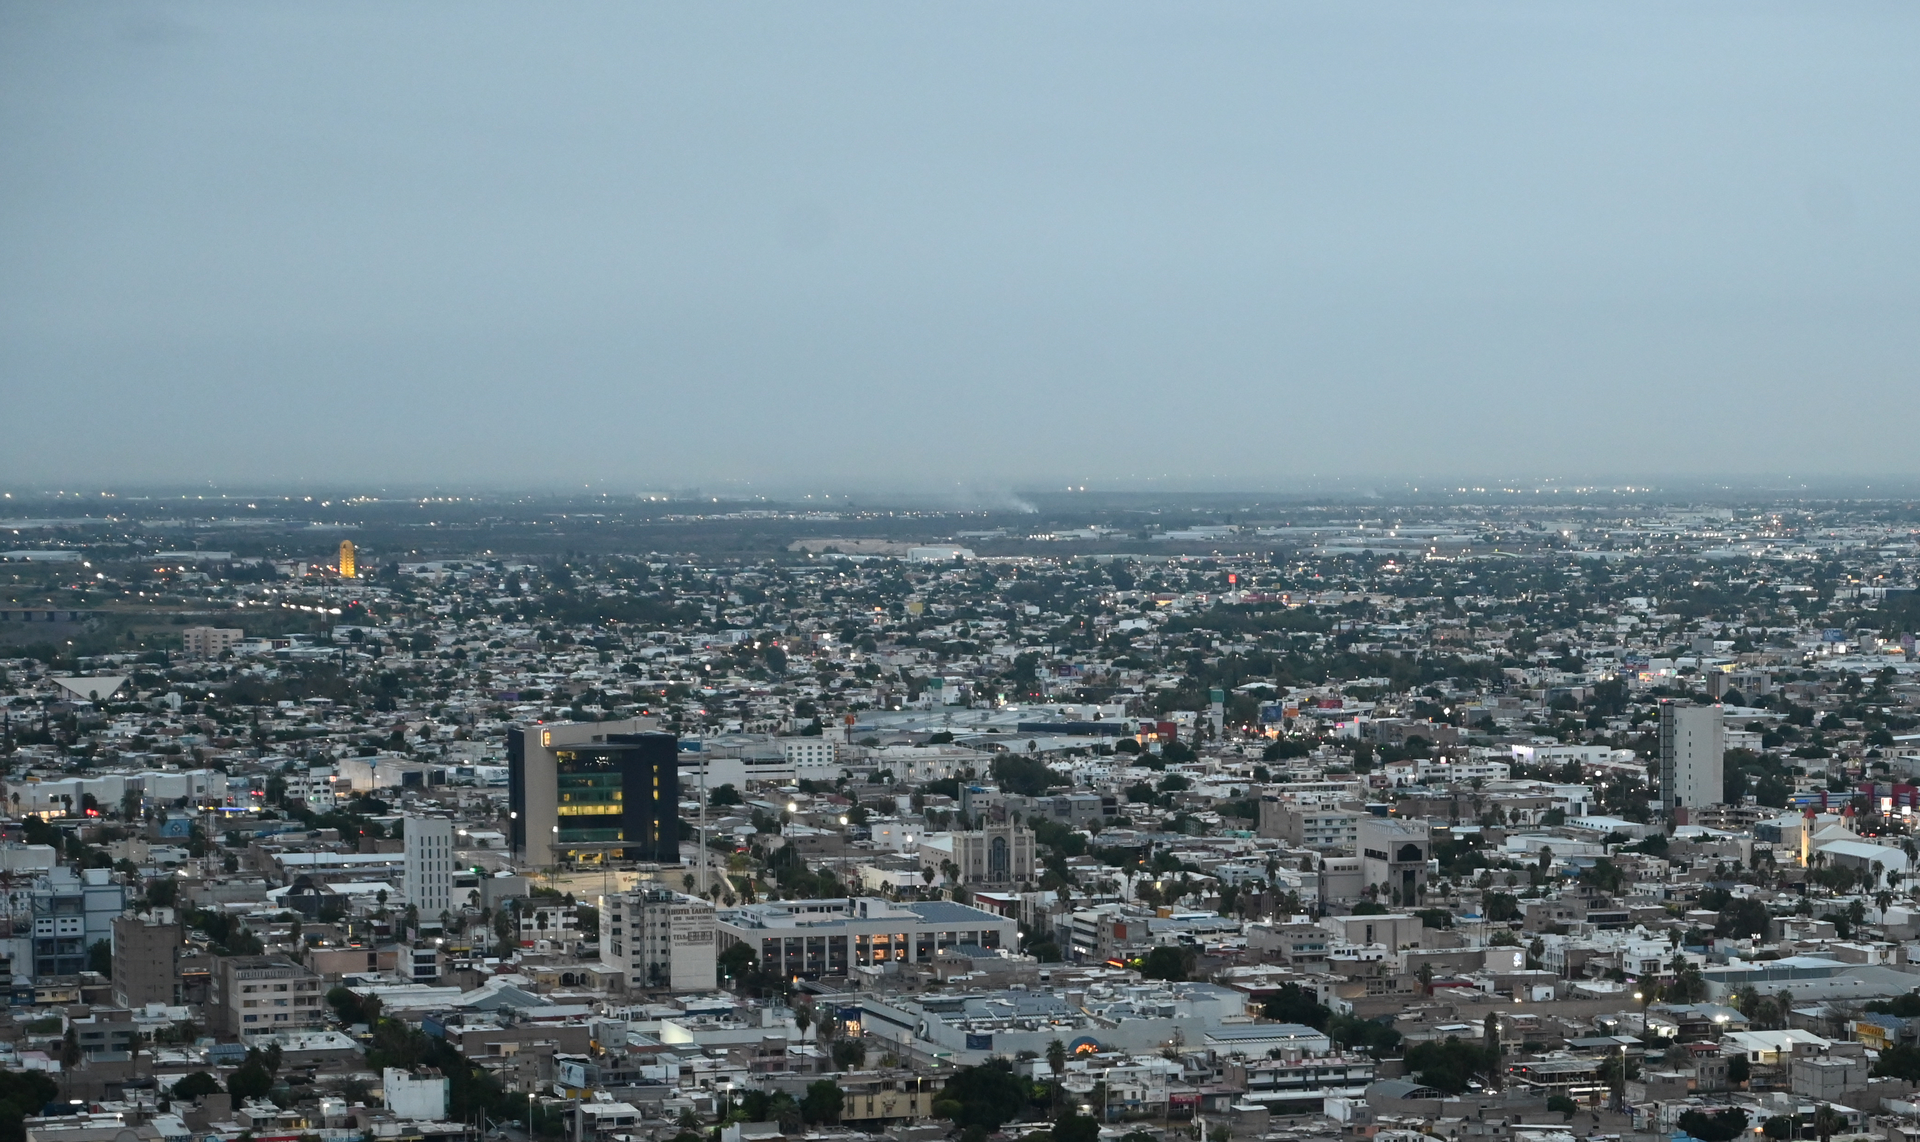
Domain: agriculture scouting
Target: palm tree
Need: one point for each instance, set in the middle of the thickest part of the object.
(1057, 1063)
(70, 1055)
(1827, 1121)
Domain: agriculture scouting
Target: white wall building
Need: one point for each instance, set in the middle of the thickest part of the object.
(1560, 753)
(1692, 753)
(548, 928)
(422, 1099)
(429, 867)
(812, 758)
(660, 938)
(314, 788)
(157, 788)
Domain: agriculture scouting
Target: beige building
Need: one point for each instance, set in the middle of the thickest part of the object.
(660, 939)
(251, 994)
(1393, 858)
(1393, 930)
(886, 1096)
(1692, 756)
(1299, 944)
(994, 855)
(146, 959)
(211, 642)
(1326, 827)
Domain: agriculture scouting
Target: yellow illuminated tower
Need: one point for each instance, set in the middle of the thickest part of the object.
(346, 558)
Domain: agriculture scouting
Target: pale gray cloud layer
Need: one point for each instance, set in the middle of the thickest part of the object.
(829, 244)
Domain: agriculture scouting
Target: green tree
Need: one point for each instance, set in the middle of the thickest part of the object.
(1905, 1006)
(250, 1080)
(351, 1008)
(1616, 1069)
(1056, 1063)
(1029, 776)
(1720, 1126)
(1826, 1122)
(822, 1102)
(1168, 963)
(194, 1085)
(1563, 1105)
(1741, 918)
(1738, 1071)
(23, 1093)
(1377, 1038)
(1688, 986)
(987, 1096)
(736, 963)
(849, 1053)
(100, 958)
(1448, 1065)
(1295, 1004)
(1899, 1062)
(1076, 1128)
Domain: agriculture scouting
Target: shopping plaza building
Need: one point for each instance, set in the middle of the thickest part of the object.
(808, 939)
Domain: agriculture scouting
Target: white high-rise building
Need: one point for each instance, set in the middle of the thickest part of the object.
(812, 758)
(660, 938)
(1692, 756)
(429, 867)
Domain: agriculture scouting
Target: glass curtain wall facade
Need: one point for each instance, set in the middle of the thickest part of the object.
(613, 797)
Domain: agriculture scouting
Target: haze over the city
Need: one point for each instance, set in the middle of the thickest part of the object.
(860, 245)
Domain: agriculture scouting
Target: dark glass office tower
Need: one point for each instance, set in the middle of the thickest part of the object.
(579, 795)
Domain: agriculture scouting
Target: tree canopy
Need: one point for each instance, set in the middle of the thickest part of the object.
(1448, 1065)
(1168, 963)
(989, 1096)
(1721, 1126)
(23, 1093)
(1295, 1004)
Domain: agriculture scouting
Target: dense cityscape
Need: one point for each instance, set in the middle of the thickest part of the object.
(1489, 813)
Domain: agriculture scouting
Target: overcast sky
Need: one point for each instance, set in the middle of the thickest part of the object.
(834, 245)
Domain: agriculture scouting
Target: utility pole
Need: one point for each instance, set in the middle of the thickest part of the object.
(706, 854)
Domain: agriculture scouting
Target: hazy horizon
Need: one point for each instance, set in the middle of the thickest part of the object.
(955, 249)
